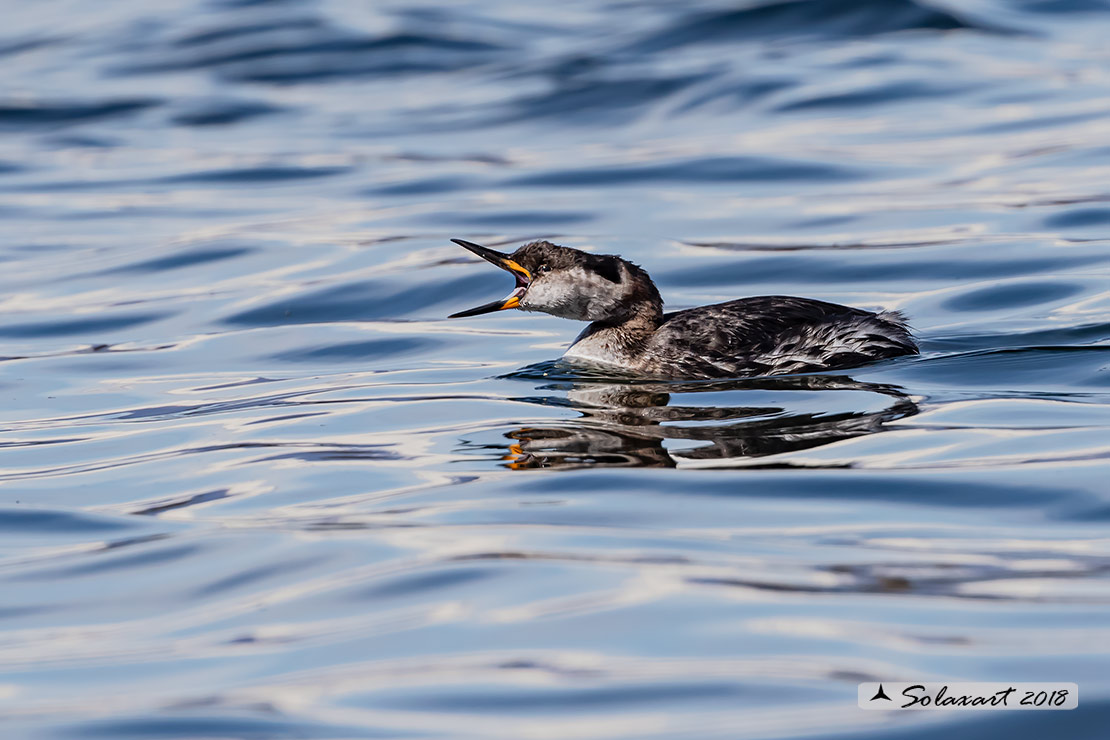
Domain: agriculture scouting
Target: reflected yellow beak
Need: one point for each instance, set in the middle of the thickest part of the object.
(505, 262)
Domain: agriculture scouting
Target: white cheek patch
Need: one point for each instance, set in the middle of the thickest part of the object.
(545, 297)
(573, 294)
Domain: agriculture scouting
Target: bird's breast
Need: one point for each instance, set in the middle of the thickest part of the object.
(599, 350)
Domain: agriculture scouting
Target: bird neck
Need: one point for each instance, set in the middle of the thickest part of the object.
(628, 333)
(641, 307)
(622, 337)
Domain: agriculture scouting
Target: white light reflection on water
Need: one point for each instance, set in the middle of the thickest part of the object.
(255, 484)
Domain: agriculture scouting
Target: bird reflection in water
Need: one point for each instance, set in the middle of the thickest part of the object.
(634, 424)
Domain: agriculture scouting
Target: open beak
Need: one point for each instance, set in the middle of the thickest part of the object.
(505, 262)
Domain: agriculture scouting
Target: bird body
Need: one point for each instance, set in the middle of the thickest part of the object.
(762, 335)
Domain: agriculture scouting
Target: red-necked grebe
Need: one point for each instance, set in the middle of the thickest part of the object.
(763, 335)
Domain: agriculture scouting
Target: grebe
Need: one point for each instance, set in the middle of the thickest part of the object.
(763, 335)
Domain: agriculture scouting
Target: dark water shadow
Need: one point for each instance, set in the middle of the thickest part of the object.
(59, 113)
(629, 422)
(830, 19)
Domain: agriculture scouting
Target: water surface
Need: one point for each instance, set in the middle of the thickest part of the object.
(255, 485)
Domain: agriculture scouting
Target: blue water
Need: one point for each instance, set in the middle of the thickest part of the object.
(255, 485)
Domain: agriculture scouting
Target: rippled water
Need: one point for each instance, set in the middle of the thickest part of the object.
(256, 485)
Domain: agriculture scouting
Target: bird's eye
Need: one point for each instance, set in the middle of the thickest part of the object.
(543, 268)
